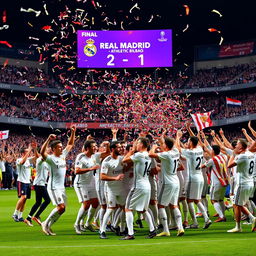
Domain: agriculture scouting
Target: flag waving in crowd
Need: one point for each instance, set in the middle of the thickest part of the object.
(233, 102)
(4, 135)
(202, 120)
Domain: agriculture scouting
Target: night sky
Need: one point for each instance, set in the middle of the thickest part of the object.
(237, 23)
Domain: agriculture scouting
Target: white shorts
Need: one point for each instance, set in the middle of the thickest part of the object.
(153, 184)
(242, 194)
(100, 189)
(205, 189)
(253, 191)
(114, 198)
(138, 199)
(232, 185)
(182, 192)
(85, 193)
(169, 194)
(58, 196)
(217, 192)
(194, 190)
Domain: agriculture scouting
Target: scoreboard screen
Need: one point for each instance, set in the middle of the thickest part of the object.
(124, 49)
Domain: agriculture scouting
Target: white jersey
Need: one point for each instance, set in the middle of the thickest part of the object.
(24, 170)
(84, 162)
(97, 157)
(169, 166)
(113, 167)
(2, 166)
(245, 168)
(142, 167)
(194, 159)
(42, 170)
(57, 170)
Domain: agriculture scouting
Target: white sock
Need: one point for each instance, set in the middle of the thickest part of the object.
(90, 216)
(185, 209)
(203, 211)
(97, 214)
(163, 219)
(53, 217)
(238, 225)
(178, 218)
(102, 212)
(149, 220)
(129, 222)
(192, 212)
(154, 210)
(116, 218)
(20, 215)
(16, 212)
(80, 215)
(223, 207)
(122, 219)
(205, 203)
(168, 213)
(218, 209)
(253, 206)
(105, 220)
(173, 221)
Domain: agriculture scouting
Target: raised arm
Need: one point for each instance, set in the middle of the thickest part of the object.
(127, 157)
(71, 140)
(251, 129)
(45, 145)
(114, 134)
(25, 157)
(152, 153)
(191, 133)
(226, 142)
(247, 136)
(177, 141)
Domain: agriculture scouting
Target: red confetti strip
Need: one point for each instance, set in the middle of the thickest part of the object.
(6, 43)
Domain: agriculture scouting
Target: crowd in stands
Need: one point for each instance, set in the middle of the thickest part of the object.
(98, 109)
(117, 80)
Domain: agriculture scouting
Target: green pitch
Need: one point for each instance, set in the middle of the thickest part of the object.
(19, 239)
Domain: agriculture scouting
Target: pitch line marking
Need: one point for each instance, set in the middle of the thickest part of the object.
(115, 245)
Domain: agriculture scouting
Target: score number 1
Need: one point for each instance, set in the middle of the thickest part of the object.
(112, 57)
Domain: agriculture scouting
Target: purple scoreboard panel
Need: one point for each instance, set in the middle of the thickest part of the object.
(124, 49)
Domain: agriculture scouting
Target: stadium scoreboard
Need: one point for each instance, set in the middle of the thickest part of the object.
(124, 49)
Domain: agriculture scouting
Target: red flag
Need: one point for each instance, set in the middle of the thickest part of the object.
(202, 120)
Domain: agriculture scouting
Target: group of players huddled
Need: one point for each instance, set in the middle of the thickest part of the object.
(156, 179)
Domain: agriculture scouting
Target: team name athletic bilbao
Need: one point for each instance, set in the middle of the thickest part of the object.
(134, 45)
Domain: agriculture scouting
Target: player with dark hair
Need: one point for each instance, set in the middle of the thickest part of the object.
(55, 187)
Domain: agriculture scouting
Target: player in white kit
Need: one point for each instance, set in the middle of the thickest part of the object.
(112, 174)
(169, 183)
(84, 183)
(55, 186)
(194, 156)
(244, 160)
(24, 164)
(40, 181)
(139, 197)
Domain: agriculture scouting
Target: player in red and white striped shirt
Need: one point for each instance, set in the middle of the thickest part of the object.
(219, 181)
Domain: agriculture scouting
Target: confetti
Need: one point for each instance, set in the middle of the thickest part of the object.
(30, 10)
(213, 30)
(186, 28)
(6, 43)
(186, 9)
(216, 11)
(4, 27)
(46, 12)
(135, 6)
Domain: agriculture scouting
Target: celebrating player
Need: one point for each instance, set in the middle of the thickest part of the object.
(56, 181)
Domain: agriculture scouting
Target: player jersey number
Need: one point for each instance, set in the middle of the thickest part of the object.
(199, 160)
(176, 161)
(251, 167)
(146, 170)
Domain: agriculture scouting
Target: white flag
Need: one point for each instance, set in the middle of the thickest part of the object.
(4, 135)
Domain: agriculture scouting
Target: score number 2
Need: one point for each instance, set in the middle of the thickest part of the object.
(112, 57)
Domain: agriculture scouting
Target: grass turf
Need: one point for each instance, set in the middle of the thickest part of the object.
(19, 239)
